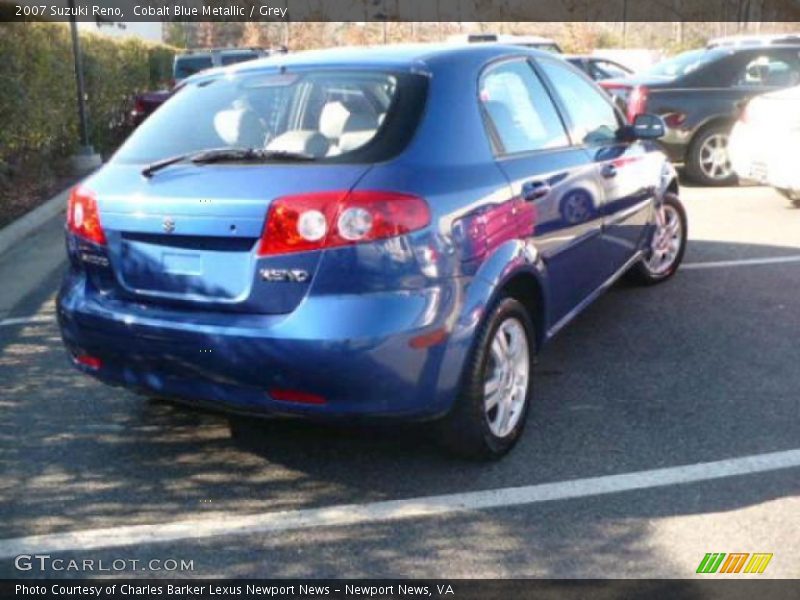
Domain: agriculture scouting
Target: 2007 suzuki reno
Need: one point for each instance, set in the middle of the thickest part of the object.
(390, 232)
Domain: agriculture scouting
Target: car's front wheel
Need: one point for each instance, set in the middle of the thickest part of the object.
(667, 245)
(489, 414)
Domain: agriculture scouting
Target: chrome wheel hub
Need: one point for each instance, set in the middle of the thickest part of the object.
(714, 160)
(506, 380)
(667, 240)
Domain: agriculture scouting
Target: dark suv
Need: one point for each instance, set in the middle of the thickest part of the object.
(187, 64)
(700, 94)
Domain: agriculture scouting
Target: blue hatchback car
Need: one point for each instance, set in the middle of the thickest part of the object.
(382, 232)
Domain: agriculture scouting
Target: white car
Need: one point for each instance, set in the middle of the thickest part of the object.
(765, 142)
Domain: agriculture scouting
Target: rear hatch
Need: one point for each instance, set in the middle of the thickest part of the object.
(190, 235)
(187, 231)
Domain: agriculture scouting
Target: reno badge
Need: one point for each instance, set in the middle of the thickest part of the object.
(293, 275)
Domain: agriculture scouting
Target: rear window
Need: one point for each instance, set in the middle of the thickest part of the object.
(685, 63)
(189, 65)
(333, 116)
(236, 57)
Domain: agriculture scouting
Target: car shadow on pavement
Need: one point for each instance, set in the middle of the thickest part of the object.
(699, 369)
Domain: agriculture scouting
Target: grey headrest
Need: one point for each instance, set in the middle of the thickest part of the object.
(301, 140)
(332, 120)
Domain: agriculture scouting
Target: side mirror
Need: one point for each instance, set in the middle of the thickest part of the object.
(648, 127)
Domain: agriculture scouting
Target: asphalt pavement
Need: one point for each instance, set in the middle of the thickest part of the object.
(642, 388)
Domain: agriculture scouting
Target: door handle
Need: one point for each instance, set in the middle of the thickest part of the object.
(608, 171)
(533, 190)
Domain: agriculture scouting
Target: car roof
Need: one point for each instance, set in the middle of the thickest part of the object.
(395, 57)
(488, 37)
(390, 56)
(755, 40)
(748, 49)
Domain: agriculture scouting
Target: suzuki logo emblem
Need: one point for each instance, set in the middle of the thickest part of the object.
(168, 225)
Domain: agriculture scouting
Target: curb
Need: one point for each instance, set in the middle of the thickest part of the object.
(30, 222)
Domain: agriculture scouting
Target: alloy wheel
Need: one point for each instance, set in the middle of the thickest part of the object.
(667, 240)
(714, 159)
(507, 376)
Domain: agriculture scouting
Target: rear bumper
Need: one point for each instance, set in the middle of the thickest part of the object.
(381, 354)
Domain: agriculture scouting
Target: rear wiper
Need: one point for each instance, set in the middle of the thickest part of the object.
(205, 157)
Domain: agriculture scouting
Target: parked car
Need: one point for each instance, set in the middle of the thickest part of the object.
(599, 68)
(700, 94)
(635, 59)
(527, 41)
(193, 61)
(187, 64)
(765, 142)
(145, 103)
(755, 40)
(344, 234)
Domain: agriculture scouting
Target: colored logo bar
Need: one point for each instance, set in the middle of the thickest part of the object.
(720, 562)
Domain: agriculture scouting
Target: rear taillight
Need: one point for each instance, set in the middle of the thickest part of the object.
(674, 120)
(329, 219)
(637, 102)
(86, 360)
(138, 105)
(296, 396)
(83, 218)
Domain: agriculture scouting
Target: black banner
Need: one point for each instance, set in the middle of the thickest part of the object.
(367, 589)
(741, 11)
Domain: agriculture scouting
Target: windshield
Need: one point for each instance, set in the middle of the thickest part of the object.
(685, 63)
(327, 115)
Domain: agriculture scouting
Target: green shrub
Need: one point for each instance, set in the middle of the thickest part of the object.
(38, 109)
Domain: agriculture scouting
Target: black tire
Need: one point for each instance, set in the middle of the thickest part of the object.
(465, 430)
(641, 273)
(694, 167)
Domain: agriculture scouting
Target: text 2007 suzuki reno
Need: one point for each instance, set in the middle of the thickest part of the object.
(387, 232)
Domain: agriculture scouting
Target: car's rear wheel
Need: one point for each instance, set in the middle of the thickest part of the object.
(708, 161)
(667, 246)
(490, 412)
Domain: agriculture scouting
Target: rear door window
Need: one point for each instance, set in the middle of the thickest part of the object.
(520, 113)
(770, 71)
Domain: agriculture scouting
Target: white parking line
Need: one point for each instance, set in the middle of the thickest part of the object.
(391, 510)
(742, 262)
(26, 320)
